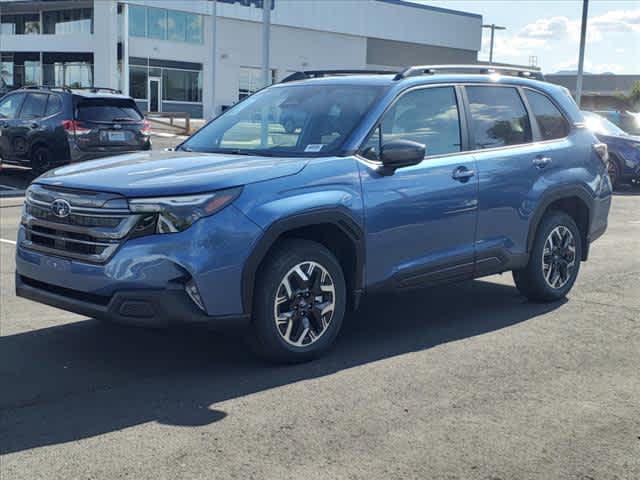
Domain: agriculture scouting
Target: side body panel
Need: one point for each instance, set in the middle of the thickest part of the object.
(420, 222)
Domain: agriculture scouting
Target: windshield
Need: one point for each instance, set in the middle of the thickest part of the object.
(601, 125)
(292, 120)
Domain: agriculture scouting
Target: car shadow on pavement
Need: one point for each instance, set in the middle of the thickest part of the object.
(627, 191)
(83, 379)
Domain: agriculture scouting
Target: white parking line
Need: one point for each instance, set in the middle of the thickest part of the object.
(10, 242)
(8, 187)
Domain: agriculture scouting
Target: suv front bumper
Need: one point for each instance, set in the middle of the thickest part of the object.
(145, 308)
(143, 283)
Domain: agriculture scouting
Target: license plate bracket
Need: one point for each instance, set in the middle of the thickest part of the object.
(116, 136)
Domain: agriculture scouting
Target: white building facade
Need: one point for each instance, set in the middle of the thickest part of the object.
(169, 54)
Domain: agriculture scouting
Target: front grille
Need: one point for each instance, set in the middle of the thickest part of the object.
(91, 230)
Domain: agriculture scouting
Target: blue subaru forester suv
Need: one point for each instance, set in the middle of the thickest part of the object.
(390, 182)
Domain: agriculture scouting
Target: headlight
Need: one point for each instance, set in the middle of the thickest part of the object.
(175, 214)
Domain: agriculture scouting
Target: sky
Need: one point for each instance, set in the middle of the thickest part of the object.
(550, 30)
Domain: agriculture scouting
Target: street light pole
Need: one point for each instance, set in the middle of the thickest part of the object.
(583, 38)
(493, 28)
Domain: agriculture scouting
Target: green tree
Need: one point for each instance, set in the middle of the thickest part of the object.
(631, 100)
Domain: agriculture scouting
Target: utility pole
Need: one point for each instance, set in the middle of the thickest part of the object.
(214, 63)
(266, 41)
(583, 38)
(493, 28)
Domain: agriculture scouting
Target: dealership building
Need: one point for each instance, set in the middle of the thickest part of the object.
(201, 56)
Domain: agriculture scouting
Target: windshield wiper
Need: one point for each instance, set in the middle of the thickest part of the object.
(239, 151)
(122, 119)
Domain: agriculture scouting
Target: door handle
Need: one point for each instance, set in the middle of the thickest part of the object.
(541, 161)
(462, 174)
(3, 124)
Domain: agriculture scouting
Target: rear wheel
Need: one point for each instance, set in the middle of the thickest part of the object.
(41, 160)
(554, 261)
(299, 303)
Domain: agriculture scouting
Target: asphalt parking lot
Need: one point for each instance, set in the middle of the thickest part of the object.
(460, 382)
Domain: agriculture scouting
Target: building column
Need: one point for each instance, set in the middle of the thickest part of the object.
(105, 53)
(209, 70)
(125, 49)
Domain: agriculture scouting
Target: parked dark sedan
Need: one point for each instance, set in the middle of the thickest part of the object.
(624, 149)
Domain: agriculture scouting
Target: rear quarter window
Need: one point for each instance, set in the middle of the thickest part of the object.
(54, 105)
(551, 122)
(107, 110)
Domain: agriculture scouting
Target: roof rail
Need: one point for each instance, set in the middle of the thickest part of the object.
(43, 87)
(306, 74)
(417, 70)
(97, 89)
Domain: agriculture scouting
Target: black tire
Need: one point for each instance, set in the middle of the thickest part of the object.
(265, 336)
(530, 280)
(41, 160)
(614, 172)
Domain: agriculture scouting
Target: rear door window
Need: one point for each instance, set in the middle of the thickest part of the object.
(10, 104)
(498, 117)
(551, 122)
(34, 106)
(107, 110)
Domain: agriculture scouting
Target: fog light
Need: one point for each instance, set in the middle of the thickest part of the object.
(194, 294)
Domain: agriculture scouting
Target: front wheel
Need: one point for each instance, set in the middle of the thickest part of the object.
(299, 304)
(554, 261)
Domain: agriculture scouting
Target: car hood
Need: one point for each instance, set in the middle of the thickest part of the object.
(146, 174)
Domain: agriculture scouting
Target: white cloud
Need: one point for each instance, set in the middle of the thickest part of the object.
(560, 32)
(617, 21)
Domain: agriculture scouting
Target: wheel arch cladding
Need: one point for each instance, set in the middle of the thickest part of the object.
(333, 228)
(576, 202)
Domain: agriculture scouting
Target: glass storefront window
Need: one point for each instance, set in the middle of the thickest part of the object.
(157, 23)
(31, 73)
(138, 82)
(194, 28)
(76, 20)
(137, 21)
(182, 85)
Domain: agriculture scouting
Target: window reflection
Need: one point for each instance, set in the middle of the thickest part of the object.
(428, 116)
(498, 117)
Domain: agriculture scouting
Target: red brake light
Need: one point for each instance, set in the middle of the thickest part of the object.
(146, 127)
(74, 126)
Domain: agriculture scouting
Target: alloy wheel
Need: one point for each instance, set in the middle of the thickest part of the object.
(304, 304)
(559, 257)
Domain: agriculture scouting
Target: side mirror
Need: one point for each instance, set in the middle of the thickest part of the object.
(402, 153)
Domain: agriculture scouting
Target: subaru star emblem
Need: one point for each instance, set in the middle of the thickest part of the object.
(61, 208)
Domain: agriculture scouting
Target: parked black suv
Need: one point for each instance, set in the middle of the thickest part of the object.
(46, 127)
